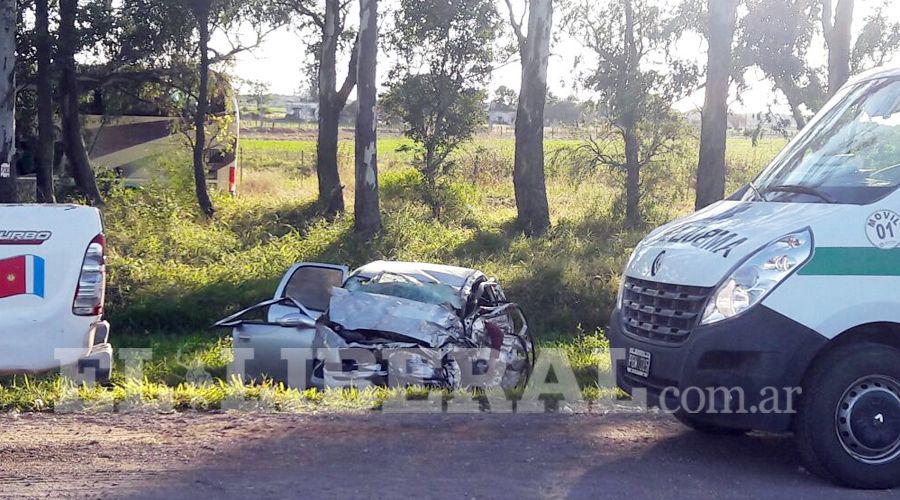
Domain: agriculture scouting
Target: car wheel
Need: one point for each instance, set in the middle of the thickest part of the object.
(848, 424)
(690, 421)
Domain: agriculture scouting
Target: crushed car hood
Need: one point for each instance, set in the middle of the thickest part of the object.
(455, 277)
(699, 250)
(430, 324)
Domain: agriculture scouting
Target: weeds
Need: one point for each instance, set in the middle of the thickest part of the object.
(173, 273)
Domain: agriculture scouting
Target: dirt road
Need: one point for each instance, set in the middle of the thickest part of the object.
(386, 456)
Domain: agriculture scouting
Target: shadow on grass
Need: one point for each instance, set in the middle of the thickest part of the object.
(178, 311)
(485, 244)
(276, 222)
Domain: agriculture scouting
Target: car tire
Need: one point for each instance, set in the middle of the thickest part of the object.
(706, 428)
(847, 427)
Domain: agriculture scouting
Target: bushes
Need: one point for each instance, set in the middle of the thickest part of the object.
(171, 270)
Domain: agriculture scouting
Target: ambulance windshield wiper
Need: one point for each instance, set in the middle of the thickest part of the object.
(798, 189)
(756, 191)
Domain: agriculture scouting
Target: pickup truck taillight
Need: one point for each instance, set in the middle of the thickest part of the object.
(91, 289)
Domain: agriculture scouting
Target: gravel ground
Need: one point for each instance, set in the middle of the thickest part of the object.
(394, 455)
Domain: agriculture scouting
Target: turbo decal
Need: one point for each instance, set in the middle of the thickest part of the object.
(22, 275)
(24, 237)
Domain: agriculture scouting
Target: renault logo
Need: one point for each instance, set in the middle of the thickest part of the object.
(657, 263)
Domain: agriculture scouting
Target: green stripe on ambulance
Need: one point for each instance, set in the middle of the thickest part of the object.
(853, 261)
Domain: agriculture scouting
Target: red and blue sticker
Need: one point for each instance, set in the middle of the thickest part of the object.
(22, 275)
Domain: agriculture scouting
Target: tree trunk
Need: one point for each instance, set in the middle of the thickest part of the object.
(331, 196)
(794, 98)
(528, 175)
(46, 139)
(366, 210)
(8, 185)
(76, 154)
(628, 121)
(202, 109)
(796, 112)
(632, 178)
(714, 127)
(838, 38)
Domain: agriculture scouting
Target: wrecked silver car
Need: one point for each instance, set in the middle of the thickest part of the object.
(386, 323)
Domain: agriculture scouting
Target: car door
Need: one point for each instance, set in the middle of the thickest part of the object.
(304, 292)
(309, 284)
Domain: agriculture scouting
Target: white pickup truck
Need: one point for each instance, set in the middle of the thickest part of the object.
(52, 286)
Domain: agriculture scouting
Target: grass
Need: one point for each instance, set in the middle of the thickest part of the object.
(173, 273)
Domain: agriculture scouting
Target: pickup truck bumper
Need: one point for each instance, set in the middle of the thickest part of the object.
(737, 373)
(39, 351)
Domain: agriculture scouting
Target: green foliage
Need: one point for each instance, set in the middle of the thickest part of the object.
(777, 36)
(635, 97)
(173, 272)
(627, 90)
(437, 87)
(878, 40)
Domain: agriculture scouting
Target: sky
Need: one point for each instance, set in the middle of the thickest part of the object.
(279, 61)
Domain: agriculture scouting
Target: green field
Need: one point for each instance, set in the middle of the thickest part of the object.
(173, 273)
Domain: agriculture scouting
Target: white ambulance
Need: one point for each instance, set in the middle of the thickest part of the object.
(52, 285)
(779, 309)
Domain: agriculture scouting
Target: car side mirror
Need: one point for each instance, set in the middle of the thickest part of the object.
(296, 320)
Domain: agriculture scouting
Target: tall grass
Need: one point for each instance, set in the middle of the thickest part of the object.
(173, 272)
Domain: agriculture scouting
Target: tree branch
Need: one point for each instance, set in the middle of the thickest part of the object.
(235, 50)
(350, 81)
(516, 26)
(827, 23)
(303, 10)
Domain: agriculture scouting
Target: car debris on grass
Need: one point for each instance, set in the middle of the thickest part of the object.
(386, 323)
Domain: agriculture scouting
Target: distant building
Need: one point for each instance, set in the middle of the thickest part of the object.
(500, 116)
(304, 111)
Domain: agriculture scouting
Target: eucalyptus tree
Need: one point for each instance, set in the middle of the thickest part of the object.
(777, 37)
(533, 42)
(624, 38)
(44, 150)
(328, 20)
(720, 26)
(366, 209)
(209, 17)
(436, 88)
(73, 138)
(8, 183)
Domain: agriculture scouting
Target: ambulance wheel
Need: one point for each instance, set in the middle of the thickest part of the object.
(705, 428)
(848, 422)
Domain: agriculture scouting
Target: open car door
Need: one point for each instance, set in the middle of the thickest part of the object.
(288, 321)
(309, 284)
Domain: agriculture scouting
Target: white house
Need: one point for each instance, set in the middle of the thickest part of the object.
(304, 111)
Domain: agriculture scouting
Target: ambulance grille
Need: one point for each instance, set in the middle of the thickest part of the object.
(661, 312)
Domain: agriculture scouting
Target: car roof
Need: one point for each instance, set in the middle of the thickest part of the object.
(456, 277)
(892, 71)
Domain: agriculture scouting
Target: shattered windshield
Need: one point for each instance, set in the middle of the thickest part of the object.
(850, 155)
(406, 287)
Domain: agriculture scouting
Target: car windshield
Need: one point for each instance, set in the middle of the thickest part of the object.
(850, 155)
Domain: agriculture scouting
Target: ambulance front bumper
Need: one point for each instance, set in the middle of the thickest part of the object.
(738, 373)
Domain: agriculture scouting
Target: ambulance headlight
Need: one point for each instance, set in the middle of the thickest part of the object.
(758, 275)
(622, 279)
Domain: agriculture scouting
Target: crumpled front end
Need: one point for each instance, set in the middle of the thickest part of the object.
(415, 337)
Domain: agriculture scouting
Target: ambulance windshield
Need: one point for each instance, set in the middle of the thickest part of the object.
(850, 154)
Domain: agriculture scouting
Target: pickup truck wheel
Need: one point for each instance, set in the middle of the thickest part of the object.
(848, 424)
(714, 430)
